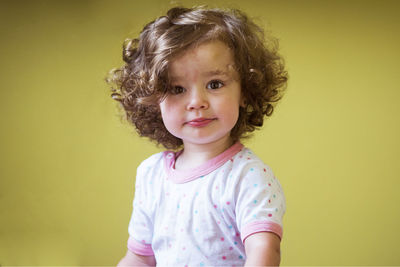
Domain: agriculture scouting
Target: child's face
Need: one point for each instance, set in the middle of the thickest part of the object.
(203, 105)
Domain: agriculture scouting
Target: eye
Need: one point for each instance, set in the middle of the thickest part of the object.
(176, 90)
(214, 84)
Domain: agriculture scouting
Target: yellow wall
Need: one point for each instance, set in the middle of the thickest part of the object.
(67, 161)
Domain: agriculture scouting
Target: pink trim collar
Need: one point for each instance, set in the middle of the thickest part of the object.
(185, 176)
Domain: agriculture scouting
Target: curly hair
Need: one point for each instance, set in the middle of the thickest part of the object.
(142, 82)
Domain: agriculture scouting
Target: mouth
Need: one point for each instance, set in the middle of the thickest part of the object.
(200, 122)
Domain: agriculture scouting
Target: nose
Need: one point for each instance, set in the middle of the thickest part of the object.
(197, 99)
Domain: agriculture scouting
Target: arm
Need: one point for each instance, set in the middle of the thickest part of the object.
(263, 249)
(132, 259)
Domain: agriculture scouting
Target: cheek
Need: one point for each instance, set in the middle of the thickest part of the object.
(230, 114)
(235, 115)
(164, 114)
(231, 108)
(168, 114)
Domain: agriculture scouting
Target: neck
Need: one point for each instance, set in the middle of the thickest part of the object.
(194, 155)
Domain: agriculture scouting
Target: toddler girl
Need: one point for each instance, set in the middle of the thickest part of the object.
(197, 81)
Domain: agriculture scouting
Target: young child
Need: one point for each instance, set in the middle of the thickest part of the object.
(197, 81)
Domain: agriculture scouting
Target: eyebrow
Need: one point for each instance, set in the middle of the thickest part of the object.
(206, 74)
(216, 72)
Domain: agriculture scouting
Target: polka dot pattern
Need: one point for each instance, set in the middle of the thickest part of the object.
(209, 215)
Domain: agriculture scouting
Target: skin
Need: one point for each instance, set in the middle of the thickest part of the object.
(202, 110)
(205, 86)
(263, 249)
(132, 259)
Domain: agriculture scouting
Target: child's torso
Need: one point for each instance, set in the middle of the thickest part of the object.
(196, 221)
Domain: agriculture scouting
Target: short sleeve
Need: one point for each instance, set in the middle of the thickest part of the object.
(260, 201)
(141, 222)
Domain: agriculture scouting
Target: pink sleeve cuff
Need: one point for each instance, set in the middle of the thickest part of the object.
(139, 248)
(261, 226)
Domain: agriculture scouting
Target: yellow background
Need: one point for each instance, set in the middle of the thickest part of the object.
(68, 161)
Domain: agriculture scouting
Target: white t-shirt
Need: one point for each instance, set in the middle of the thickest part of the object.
(202, 217)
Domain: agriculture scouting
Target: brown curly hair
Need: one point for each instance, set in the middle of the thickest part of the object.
(142, 82)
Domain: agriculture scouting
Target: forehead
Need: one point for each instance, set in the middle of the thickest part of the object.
(210, 57)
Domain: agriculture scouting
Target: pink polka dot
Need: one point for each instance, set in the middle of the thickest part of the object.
(269, 215)
(218, 222)
(227, 203)
(230, 248)
(223, 257)
(216, 187)
(265, 170)
(184, 248)
(215, 206)
(222, 239)
(237, 234)
(248, 158)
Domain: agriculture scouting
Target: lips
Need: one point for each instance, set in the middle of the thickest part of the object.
(200, 122)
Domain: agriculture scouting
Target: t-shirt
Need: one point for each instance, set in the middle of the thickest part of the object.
(202, 216)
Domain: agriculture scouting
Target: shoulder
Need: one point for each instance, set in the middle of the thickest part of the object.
(154, 161)
(247, 161)
(149, 172)
(250, 172)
